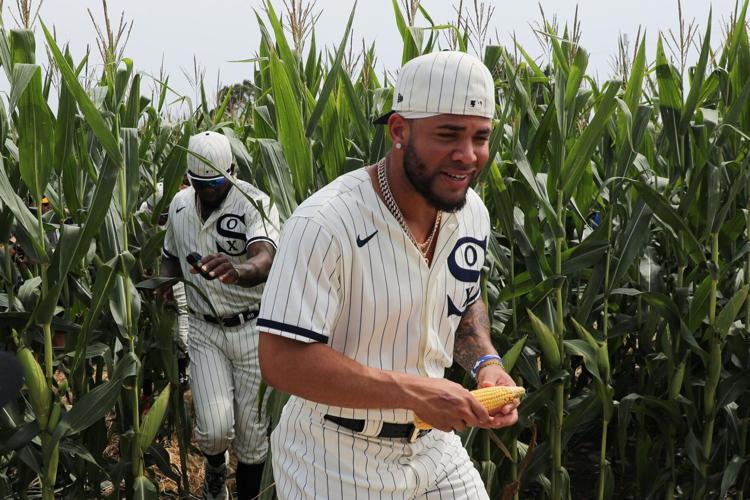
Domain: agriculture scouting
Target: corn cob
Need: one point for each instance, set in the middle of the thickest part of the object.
(153, 419)
(36, 384)
(492, 398)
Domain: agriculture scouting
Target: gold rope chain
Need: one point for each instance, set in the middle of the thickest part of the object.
(390, 202)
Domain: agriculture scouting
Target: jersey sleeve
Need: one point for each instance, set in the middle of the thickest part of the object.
(263, 226)
(301, 299)
(169, 248)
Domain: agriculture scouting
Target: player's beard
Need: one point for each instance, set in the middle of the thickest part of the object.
(423, 182)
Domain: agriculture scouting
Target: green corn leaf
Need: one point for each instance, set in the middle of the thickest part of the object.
(410, 50)
(132, 169)
(60, 267)
(65, 126)
(93, 117)
(99, 401)
(23, 73)
(144, 489)
(670, 100)
(584, 350)
(333, 76)
(731, 475)
(291, 132)
(580, 154)
(511, 355)
(100, 297)
(634, 87)
(730, 311)
(132, 110)
(24, 218)
(575, 77)
(699, 74)
(524, 168)
(670, 217)
(632, 242)
(35, 131)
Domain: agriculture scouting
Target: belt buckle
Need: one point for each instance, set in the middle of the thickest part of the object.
(415, 434)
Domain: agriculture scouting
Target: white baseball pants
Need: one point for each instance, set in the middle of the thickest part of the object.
(316, 459)
(224, 379)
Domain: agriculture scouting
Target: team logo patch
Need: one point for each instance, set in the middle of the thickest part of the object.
(465, 264)
(232, 228)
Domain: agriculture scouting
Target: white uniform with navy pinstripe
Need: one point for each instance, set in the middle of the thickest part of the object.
(225, 373)
(346, 274)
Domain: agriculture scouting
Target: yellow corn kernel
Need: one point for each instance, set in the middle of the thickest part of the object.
(492, 398)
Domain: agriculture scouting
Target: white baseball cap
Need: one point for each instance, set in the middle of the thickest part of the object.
(215, 148)
(447, 82)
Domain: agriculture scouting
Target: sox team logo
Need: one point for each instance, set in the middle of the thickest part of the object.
(465, 265)
(230, 227)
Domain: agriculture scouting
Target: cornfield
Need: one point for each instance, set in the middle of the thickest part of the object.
(618, 278)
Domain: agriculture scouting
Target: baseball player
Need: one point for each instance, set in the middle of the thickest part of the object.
(375, 291)
(218, 218)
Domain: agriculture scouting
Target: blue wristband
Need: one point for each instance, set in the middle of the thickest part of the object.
(482, 360)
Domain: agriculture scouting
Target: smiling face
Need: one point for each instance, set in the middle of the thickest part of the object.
(443, 156)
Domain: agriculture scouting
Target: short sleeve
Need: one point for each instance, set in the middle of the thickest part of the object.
(301, 299)
(169, 249)
(265, 226)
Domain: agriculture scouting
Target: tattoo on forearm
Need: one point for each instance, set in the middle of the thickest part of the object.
(473, 336)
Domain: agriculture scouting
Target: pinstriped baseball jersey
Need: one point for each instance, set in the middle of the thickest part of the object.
(347, 275)
(230, 229)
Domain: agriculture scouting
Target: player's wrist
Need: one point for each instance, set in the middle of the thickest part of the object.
(404, 388)
(485, 361)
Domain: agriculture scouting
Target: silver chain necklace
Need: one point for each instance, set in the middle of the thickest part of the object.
(390, 202)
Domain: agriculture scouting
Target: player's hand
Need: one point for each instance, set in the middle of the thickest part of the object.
(448, 406)
(491, 376)
(217, 265)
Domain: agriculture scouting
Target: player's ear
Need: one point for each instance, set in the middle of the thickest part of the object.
(398, 129)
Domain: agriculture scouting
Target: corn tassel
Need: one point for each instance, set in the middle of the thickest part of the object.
(492, 398)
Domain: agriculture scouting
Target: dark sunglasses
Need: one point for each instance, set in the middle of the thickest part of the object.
(211, 183)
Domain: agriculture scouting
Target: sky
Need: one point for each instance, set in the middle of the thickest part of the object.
(214, 33)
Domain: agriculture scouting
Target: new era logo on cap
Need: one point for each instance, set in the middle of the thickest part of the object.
(447, 82)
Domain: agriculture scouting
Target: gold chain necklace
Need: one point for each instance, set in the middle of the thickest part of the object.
(390, 202)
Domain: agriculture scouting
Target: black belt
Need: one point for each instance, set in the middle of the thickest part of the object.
(389, 430)
(237, 319)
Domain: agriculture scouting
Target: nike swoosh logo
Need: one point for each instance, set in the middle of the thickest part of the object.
(178, 210)
(363, 241)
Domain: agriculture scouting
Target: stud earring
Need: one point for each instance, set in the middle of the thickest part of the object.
(398, 145)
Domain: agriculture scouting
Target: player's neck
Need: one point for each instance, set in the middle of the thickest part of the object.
(417, 211)
(418, 214)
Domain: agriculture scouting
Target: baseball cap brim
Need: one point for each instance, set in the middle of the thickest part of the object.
(409, 115)
(382, 119)
(203, 178)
